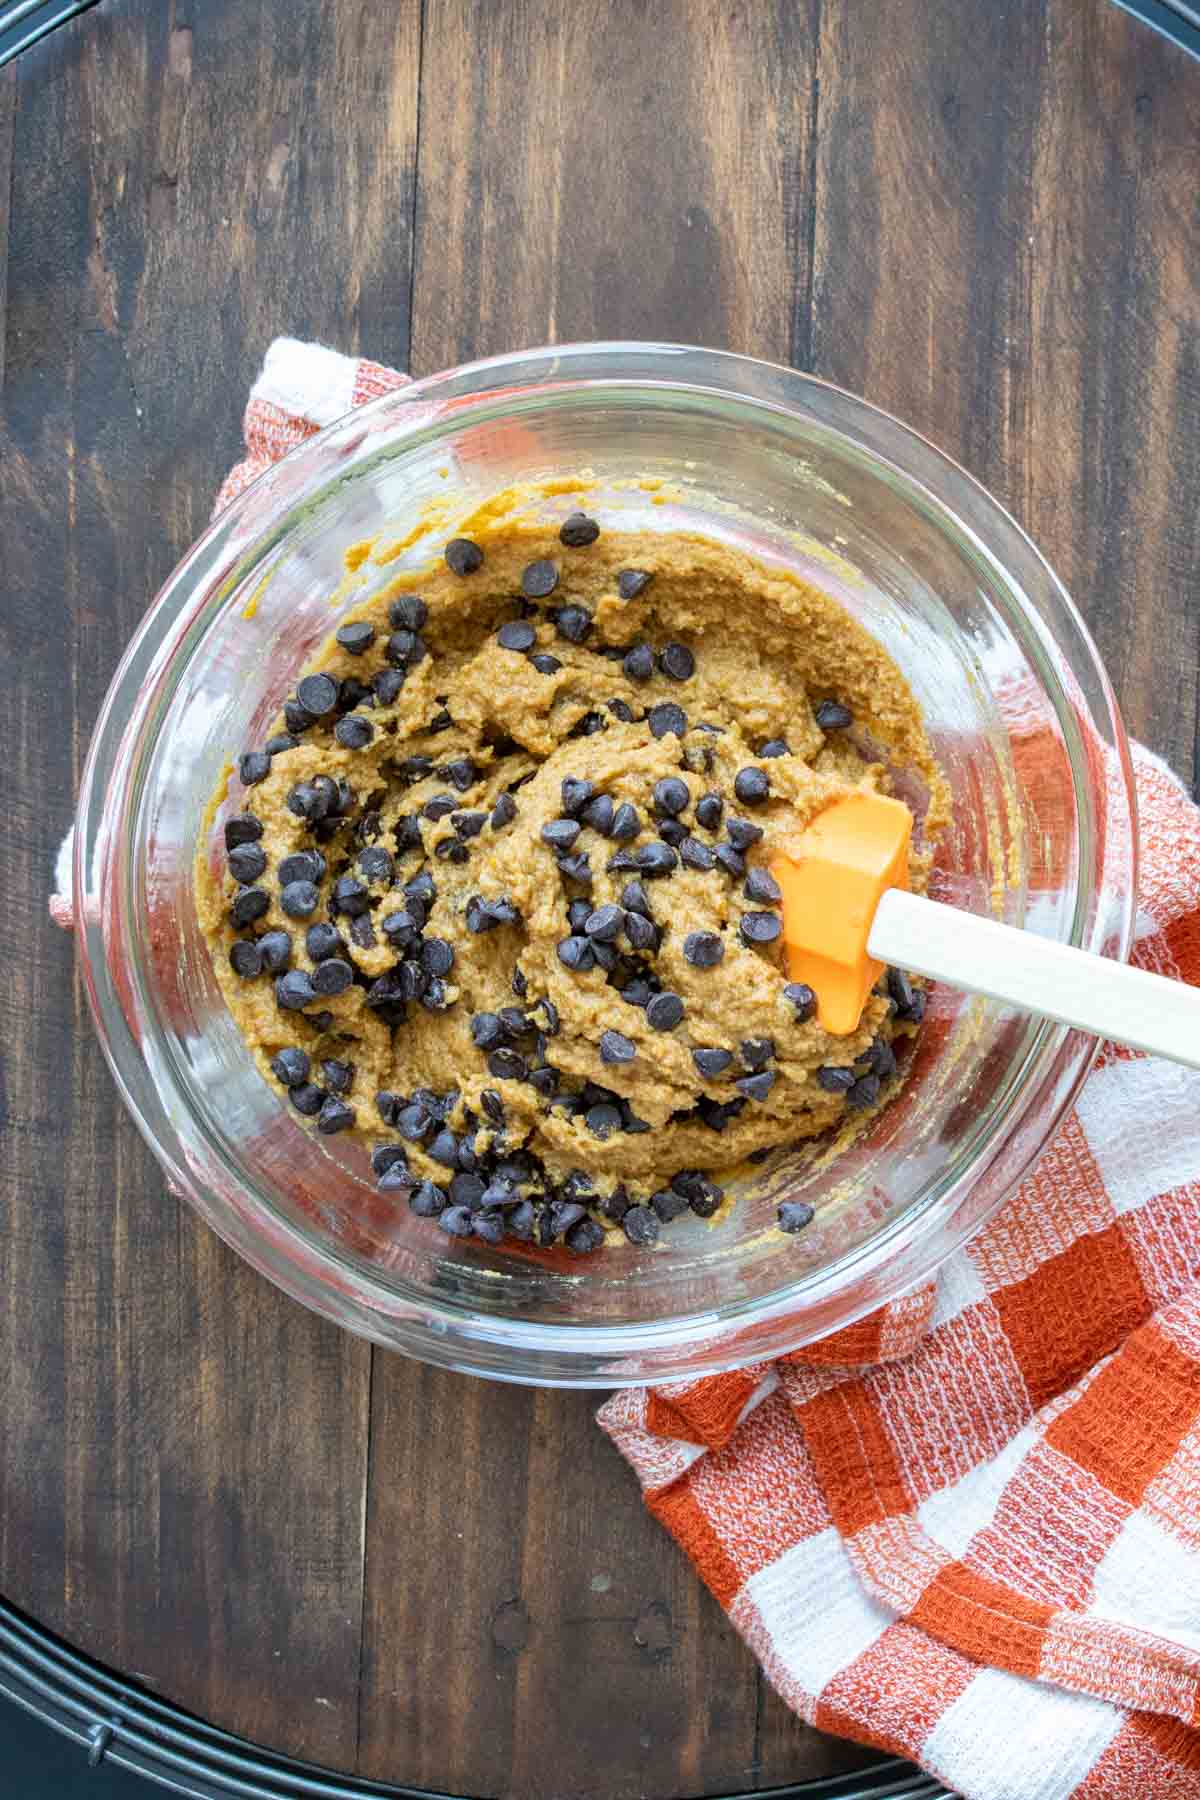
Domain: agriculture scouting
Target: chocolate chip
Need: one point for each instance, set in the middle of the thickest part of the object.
(576, 953)
(831, 715)
(573, 623)
(632, 582)
(322, 941)
(295, 717)
(437, 956)
(575, 795)
(247, 862)
(544, 1081)
(386, 1105)
(354, 732)
(759, 928)
(294, 990)
(516, 1022)
(709, 808)
(545, 664)
(386, 685)
(602, 1120)
(245, 959)
(703, 949)
(462, 773)
(307, 801)
(883, 1059)
(337, 1076)
(712, 1063)
(756, 1052)
(356, 637)
(486, 1031)
(317, 694)
(863, 1093)
(468, 825)
(599, 814)
(539, 579)
(291, 1066)
(400, 928)
(621, 710)
(414, 1122)
(504, 811)
(275, 948)
(794, 1215)
(655, 860)
(349, 896)
(444, 1149)
(641, 932)
(578, 914)
(638, 663)
(456, 1221)
(307, 1099)
(667, 718)
(408, 612)
(242, 828)
(616, 1048)
(405, 649)
(560, 834)
(604, 924)
(762, 886)
(249, 903)
(909, 1000)
(751, 786)
(835, 1080)
(803, 1000)
(668, 1204)
(695, 855)
(626, 823)
(427, 1200)
(671, 797)
(467, 1189)
(664, 1012)
(575, 868)
(254, 766)
(637, 992)
(281, 743)
(728, 858)
(672, 832)
(463, 556)
(332, 977)
(640, 1225)
(677, 661)
(585, 1237)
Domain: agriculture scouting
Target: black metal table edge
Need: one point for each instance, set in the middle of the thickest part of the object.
(114, 1720)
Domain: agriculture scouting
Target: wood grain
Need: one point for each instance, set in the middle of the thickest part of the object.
(982, 216)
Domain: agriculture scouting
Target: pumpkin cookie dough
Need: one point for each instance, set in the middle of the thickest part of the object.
(496, 893)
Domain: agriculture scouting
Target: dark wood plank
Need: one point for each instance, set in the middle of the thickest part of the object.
(185, 1450)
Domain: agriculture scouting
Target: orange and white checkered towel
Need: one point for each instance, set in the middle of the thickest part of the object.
(966, 1530)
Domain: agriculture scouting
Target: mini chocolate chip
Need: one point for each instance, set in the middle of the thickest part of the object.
(831, 715)
(356, 637)
(638, 663)
(468, 825)
(864, 1092)
(677, 661)
(703, 949)
(759, 928)
(712, 1063)
(575, 795)
(642, 933)
(730, 860)
(354, 732)
(504, 811)
(539, 579)
(802, 999)
(247, 862)
(560, 834)
(751, 786)
(604, 924)
(386, 685)
(709, 809)
(576, 953)
(249, 903)
(626, 823)
(616, 1048)
(349, 896)
(437, 956)
(545, 664)
(695, 855)
(668, 1204)
(664, 1012)
(599, 814)
(463, 556)
(794, 1215)
(640, 1225)
(577, 530)
(602, 1120)
(307, 1099)
(254, 766)
(667, 718)
(631, 582)
(835, 1080)
(333, 976)
(242, 828)
(762, 887)
(323, 940)
(245, 959)
(317, 694)
(294, 990)
(755, 1052)
(671, 797)
(655, 859)
(275, 947)
(573, 623)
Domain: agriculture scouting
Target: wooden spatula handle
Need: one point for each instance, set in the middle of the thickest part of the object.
(1094, 994)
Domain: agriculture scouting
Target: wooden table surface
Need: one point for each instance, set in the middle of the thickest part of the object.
(982, 216)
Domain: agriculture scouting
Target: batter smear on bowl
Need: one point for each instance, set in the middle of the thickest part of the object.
(495, 894)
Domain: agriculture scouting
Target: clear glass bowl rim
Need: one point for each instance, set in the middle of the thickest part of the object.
(436, 1330)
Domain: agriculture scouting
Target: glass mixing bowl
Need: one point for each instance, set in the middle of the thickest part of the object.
(1017, 706)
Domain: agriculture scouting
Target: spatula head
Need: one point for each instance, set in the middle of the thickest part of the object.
(832, 876)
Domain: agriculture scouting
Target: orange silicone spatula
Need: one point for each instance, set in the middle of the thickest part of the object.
(847, 913)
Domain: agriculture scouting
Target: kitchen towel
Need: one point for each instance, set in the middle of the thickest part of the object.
(967, 1529)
